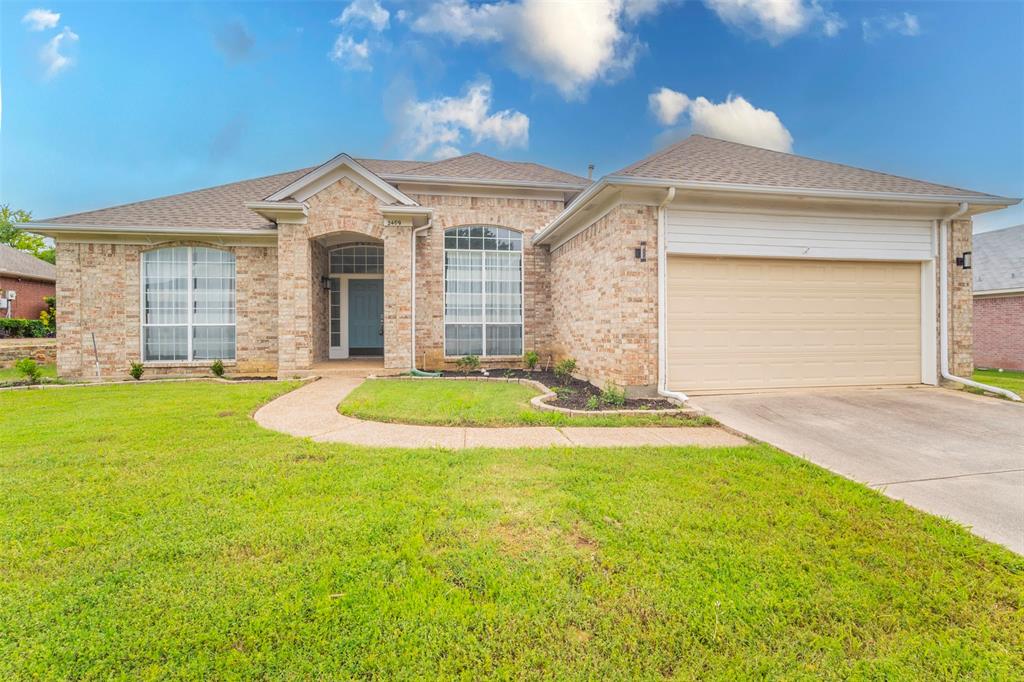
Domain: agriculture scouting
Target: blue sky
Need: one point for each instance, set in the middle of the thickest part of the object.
(114, 102)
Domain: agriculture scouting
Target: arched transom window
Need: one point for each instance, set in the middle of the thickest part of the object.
(188, 304)
(483, 291)
(357, 259)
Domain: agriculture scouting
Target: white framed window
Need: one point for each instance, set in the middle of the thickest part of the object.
(188, 304)
(483, 291)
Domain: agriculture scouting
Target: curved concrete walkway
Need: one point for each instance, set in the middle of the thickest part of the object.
(312, 412)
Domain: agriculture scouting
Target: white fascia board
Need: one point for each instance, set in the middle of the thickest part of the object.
(591, 192)
(807, 192)
(998, 292)
(57, 230)
(406, 210)
(481, 182)
(280, 211)
(338, 161)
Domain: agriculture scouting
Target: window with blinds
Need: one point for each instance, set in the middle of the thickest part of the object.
(483, 291)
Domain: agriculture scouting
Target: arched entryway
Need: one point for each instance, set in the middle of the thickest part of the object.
(356, 300)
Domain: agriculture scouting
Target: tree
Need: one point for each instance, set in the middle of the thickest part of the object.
(21, 240)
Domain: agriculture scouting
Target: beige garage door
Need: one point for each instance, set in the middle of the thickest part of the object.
(739, 323)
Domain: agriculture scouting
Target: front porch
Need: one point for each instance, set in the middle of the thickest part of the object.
(358, 368)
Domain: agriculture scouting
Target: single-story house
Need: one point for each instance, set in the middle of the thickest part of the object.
(998, 267)
(24, 282)
(707, 266)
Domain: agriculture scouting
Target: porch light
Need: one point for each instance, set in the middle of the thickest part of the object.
(325, 282)
(964, 261)
(640, 253)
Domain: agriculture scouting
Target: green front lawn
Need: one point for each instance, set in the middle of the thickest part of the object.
(1011, 381)
(155, 531)
(49, 371)
(477, 403)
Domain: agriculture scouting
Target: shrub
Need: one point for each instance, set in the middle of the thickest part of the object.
(217, 368)
(468, 363)
(530, 359)
(565, 368)
(613, 395)
(136, 370)
(48, 315)
(18, 328)
(29, 369)
(593, 402)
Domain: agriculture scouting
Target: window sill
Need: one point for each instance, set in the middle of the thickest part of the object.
(185, 363)
(486, 358)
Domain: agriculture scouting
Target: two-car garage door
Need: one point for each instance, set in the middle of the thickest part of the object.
(738, 323)
(824, 320)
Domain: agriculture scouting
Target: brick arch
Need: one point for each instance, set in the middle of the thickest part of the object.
(344, 207)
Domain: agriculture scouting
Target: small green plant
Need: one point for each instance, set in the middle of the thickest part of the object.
(48, 315)
(136, 369)
(613, 395)
(217, 368)
(593, 403)
(468, 363)
(530, 359)
(29, 369)
(563, 391)
(509, 374)
(565, 368)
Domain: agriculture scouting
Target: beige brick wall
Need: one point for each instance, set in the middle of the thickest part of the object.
(605, 301)
(98, 292)
(961, 302)
(526, 215)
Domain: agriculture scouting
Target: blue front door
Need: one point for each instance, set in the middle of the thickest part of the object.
(366, 317)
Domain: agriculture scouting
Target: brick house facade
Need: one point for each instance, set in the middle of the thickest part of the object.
(999, 298)
(588, 258)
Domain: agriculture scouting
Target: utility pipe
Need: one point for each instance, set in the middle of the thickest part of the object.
(412, 291)
(944, 309)
(662, 315)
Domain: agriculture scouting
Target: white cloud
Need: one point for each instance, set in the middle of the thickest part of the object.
(40, 19)
(350, 53)
(735, 119)
(905, 24)
(570, 45)
(668, 105)
(436, 127)
(368, 12)
(51, 55)
(776, 20)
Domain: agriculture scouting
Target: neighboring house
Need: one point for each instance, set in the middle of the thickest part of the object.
(28, 278)
(998, 266)
(707, 266)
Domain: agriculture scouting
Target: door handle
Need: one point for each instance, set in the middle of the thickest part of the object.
(381, 332)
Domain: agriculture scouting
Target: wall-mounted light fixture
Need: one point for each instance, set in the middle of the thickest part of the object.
(964, 261)
(640, 252)
(325, 282)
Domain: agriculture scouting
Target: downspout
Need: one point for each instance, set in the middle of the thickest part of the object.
(412, 294)
(944, 309)
(662, 316)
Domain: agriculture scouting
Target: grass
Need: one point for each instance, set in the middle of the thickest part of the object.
(155, 531)
(1011, 381)
(49, 371)
(478, 403)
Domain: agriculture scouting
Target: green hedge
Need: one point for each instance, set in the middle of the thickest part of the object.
(22, 329)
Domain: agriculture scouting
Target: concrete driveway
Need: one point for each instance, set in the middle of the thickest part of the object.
(953, 454)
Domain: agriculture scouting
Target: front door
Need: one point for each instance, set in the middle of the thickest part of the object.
(366, 317)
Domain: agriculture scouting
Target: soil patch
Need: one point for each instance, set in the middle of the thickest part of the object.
(572, 393)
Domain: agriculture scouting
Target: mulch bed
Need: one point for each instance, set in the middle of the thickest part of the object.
(572, 393)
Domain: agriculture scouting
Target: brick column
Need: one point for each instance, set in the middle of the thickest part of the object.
(397, 298)
(961, 302)
(69, 327)
(295, 298)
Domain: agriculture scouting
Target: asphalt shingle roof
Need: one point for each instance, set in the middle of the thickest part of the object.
(705, 159)
(15, 263)
(998, 259)
(224, 206)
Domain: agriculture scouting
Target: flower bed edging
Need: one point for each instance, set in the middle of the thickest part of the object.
(546, 394)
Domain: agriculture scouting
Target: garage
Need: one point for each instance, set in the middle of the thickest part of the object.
(744, 322)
